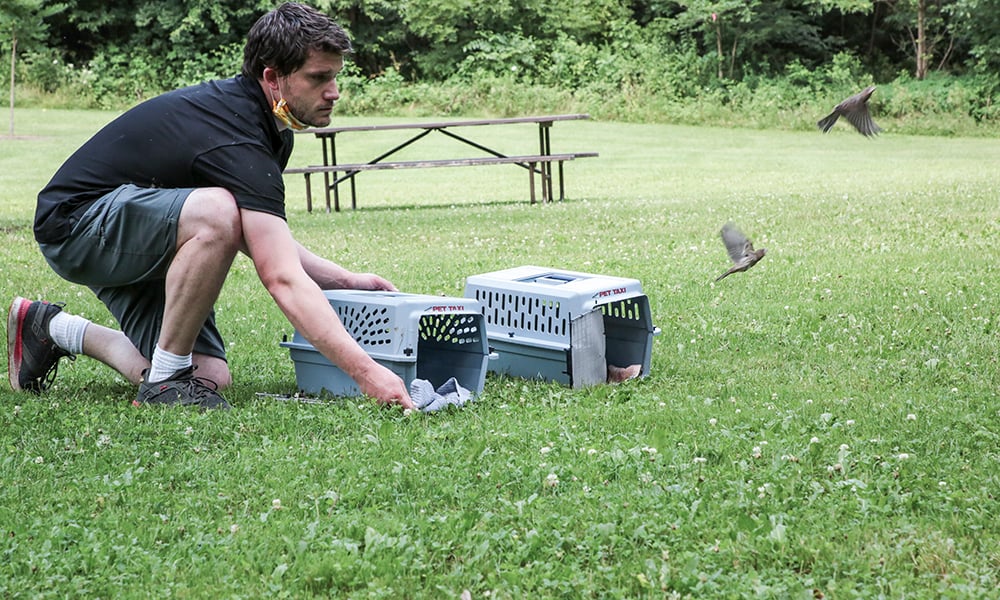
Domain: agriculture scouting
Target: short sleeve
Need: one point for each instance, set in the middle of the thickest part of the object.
(250, 173)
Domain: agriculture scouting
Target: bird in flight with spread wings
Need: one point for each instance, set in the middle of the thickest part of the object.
(740, 249)
(855, 110)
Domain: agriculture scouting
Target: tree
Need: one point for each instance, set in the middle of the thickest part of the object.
(923, 25)
(24, 21)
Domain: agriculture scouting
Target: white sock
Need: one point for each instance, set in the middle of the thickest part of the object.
(165, 364)
(67, 331)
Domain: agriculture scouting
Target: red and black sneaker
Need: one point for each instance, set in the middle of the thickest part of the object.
(32, 356)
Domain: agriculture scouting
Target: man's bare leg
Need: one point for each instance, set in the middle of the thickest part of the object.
(114, 349)
(209, 235)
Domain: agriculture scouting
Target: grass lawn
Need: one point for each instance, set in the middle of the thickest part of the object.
(825, 425)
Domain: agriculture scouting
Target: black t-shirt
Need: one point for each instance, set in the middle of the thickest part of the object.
(215, 134)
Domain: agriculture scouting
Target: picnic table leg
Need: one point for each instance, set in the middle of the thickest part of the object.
(354, 195)
(336, 195)
(531, 181)
(309, 196)
(545, 145)
(562, 191)
(326, 162)
(546, 197)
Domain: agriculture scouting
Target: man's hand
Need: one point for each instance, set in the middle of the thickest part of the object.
(380, 383)
(371, 281)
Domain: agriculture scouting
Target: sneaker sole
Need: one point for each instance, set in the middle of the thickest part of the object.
(15, 323)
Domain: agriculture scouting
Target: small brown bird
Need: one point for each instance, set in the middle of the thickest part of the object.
(740, 250)
(855, 110)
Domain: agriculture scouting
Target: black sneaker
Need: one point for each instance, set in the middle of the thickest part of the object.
(181, 389)
(32, 356)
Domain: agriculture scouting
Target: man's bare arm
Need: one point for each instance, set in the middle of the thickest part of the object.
(277, 259)
(328, 275)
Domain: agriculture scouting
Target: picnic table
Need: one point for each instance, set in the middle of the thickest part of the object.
(540, 164)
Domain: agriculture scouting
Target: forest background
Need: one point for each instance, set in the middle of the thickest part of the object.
(748, 63)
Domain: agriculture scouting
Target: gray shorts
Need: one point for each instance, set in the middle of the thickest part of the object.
(121, 249)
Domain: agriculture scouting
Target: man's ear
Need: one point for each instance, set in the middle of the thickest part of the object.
(271, 79)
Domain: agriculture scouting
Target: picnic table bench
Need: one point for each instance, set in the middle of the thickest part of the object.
(540, 164)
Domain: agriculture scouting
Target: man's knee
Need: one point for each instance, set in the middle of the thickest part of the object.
(214, 369)
(211, 214)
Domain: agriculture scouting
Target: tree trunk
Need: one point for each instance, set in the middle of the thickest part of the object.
(718, 43)
(13, 55)
(921, 39)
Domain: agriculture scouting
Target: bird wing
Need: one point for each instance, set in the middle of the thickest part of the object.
(862, 121)
(855, 110)
(737, 244)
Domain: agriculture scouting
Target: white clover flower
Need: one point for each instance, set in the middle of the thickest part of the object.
(276, 504)
(844, 447)
(911, 417)
(234, 528)
(713, 421)
(849, 422)
(189, 431)
(903, 456)
(698, 460)
(156, 454)
(814, 440)
(545, 450)
(591, 452)
(649, 450)
(39, 460)
(551, 480)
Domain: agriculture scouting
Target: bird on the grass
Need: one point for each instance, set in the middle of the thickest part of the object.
(855, 110)
(740, 250)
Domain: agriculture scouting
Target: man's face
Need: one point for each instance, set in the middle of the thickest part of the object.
(311, 90)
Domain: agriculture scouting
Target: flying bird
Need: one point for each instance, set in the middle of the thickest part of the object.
(855, 110)
(740, 250)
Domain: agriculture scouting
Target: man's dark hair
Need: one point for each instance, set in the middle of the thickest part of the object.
(283, 38)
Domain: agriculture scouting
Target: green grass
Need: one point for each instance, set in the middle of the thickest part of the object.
(826, 421)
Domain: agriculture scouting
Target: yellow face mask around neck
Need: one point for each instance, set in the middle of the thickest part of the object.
(283, 114)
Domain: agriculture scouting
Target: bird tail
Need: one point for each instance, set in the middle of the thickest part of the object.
(827, 122)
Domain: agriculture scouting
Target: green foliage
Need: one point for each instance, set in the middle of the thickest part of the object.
(976, 23)
(43, 69)
(24, 22)
(663, 60)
